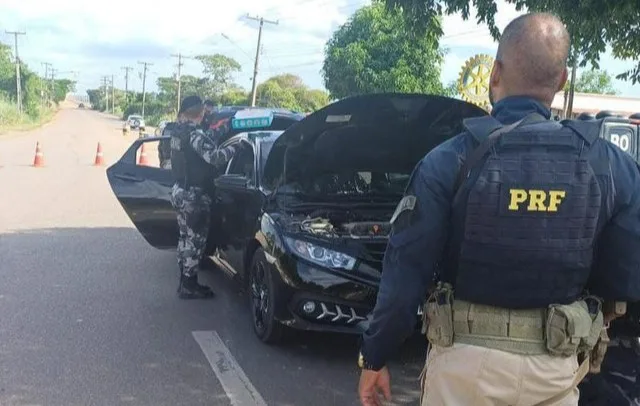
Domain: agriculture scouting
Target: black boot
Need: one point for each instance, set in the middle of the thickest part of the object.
(190, 289)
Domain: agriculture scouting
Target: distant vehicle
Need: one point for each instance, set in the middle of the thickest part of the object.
(135, 122)
(81, 105)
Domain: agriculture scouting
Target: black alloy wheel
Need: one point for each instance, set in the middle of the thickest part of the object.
(262, 297)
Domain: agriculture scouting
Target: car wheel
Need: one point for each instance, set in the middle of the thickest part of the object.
(262, 296)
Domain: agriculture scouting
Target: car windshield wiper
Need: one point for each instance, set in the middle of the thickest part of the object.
(364, 197)
(340, 204)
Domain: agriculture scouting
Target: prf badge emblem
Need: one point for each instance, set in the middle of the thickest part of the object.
(473, 83)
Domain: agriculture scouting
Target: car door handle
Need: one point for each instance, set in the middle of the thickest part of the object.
(129, 178)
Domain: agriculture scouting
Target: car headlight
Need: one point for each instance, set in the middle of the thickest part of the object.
(320, 255)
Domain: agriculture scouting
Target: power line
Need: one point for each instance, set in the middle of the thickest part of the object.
(237, 46)
(144, 82)
(255, 65)
(18, 84)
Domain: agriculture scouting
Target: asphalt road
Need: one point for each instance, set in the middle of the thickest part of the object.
(89, 313)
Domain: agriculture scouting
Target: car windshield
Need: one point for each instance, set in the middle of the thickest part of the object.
(135, 117)
(265, 148)
(349, 185)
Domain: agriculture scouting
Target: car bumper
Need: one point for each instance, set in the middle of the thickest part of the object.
(318, 300)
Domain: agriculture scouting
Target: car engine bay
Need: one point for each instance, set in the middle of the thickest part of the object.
(341, 223)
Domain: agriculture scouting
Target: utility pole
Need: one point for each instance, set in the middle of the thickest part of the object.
(53, 83)
(178, 78)
(105, 83)
(113, 97)
(126, 82)
(18, 84)
(255, 66)
(144, 83)
(42, 84)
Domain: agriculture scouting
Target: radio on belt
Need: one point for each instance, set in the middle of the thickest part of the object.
(252, 118)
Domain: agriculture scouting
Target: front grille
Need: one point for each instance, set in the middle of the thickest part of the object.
(325, 312)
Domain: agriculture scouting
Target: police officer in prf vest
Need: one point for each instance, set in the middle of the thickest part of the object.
(533, 226)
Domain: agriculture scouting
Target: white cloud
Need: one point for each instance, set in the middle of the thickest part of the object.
(97, 38)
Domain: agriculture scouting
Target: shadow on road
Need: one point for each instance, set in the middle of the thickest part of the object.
(115, 275)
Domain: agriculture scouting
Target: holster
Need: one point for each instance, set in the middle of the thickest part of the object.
(437, 316)
(611, 311)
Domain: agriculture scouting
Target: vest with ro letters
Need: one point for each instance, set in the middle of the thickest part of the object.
(527, 212)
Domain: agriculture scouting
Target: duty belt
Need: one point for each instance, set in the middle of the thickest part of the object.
(517, 331)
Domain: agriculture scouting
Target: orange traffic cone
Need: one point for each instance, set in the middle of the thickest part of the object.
(143, 157)
(99, 159)
(38, 161)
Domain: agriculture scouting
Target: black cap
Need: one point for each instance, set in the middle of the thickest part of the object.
(189, 102)
(209, 102)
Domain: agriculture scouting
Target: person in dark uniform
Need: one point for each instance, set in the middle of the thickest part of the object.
(520, 215)
(164, 146)
(618, 383)
(208, 115)
(193, 156)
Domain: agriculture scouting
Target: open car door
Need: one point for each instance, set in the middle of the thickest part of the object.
(143, 189)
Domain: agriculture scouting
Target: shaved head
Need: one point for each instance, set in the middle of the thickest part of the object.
(532, 57)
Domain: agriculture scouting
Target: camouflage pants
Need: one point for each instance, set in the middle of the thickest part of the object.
(619, 382)
(193, 208)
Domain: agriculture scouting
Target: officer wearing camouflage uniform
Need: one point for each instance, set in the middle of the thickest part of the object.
(164, 147)
(208, 115)
(618, 383)
(519, 215)
(194, 155)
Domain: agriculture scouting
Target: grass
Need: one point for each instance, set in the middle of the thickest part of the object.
(10, 120)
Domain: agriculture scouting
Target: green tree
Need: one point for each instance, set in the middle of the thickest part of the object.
(289, 92)
(168, 88)
(234, 96)
(592, 24)
(218, 70)
(61, 87)
(594, 81)
(375, 52)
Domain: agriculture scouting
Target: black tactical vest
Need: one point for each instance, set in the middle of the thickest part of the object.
(526, 218)
(164, 147)
(189, 169)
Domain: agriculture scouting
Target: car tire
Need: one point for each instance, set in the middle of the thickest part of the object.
(262, 296)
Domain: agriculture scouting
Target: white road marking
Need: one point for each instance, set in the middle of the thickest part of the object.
(232, 378)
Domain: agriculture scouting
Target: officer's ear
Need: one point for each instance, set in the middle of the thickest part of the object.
(496, 72)
(564, 77)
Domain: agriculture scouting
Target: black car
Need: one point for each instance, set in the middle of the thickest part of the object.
(303, 215)
(280, 119)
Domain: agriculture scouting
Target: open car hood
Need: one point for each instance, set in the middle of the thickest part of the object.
(387, 132)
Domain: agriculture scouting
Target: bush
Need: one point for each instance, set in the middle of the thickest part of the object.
(8, 114)
(151, 109)
(33, 115)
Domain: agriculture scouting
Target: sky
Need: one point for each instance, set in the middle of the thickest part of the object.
(85, 40)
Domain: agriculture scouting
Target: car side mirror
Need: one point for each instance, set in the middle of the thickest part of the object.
(232, 181)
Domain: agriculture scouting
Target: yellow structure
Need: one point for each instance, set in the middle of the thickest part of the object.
(473, 84)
